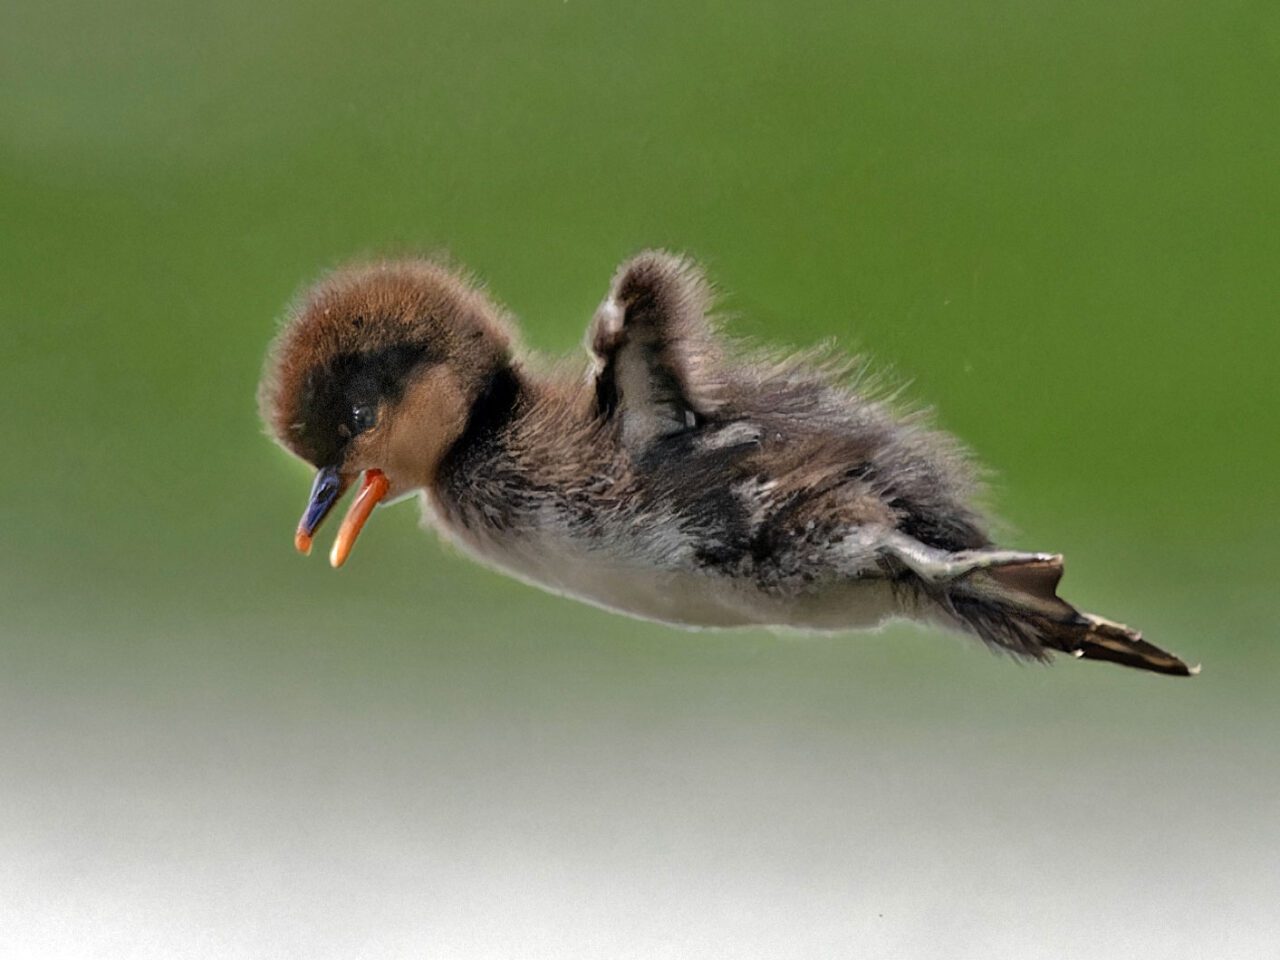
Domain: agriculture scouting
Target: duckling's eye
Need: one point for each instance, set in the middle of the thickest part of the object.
(363, 417)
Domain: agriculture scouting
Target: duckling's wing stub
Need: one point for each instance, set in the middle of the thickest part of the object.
(656, 358)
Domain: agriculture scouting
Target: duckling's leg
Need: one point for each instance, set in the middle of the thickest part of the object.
(936, 566)
(1010, 600)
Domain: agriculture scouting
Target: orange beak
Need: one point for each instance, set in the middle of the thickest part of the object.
(373, 489)
(325, 492)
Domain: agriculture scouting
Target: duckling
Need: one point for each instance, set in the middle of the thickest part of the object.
(682, 479)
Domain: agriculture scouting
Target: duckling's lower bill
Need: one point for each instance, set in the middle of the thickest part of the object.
(683, 479)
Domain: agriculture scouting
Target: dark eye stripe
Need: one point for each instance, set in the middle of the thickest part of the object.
(347, 383)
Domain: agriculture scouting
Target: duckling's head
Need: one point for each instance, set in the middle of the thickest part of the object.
(375, 373)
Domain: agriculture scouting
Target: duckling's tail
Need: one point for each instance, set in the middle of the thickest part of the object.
(1016, 607)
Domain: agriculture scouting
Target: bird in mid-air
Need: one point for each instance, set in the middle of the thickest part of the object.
(681, 479)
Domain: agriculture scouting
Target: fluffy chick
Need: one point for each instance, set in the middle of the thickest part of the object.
(680, 480)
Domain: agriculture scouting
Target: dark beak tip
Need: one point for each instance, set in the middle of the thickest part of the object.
(325, 491)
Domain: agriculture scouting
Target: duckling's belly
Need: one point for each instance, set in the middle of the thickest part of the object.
(682, 595)
(715, 601)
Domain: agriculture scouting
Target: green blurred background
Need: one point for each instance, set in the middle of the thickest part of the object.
(1057, 219)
